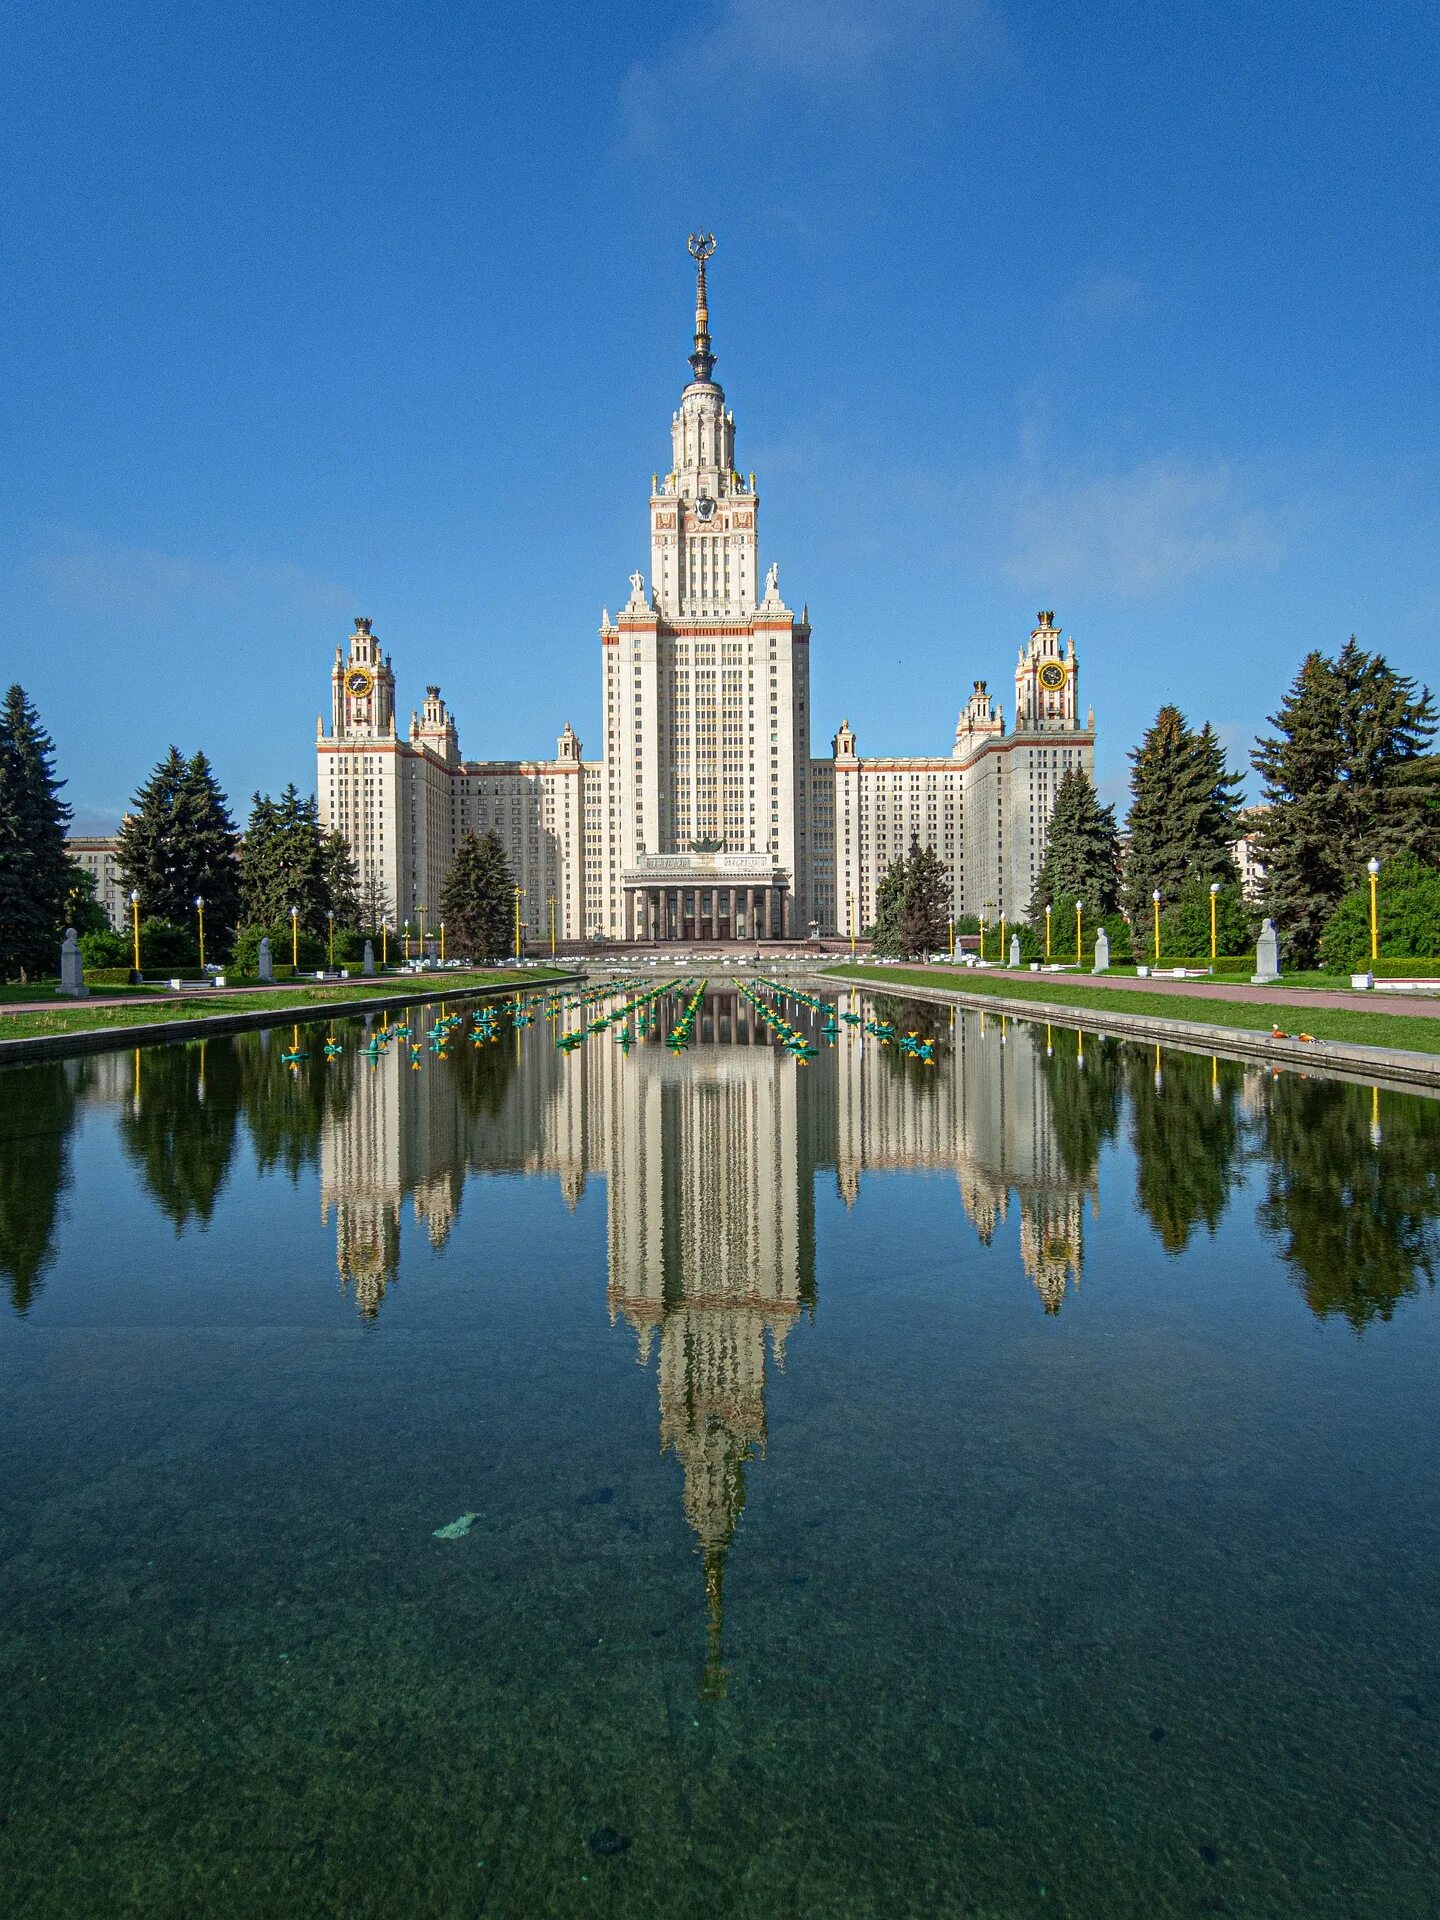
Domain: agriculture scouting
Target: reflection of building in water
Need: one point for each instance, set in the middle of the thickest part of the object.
(987, 1114)
(709, 1159)
(712, 1245)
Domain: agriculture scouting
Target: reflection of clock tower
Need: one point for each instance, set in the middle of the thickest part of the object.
(362, 689)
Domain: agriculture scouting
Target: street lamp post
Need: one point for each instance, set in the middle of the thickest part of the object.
(552, 925)
(200, 913)
(850, 916)
(330, 916)
(519, 950)
(1155, 902)
(384, 943)
(1372, 867)
(407, 943)
(952, 936)
(1079, 909)
(294, 939)
(442, 942)
(1047, 932)
(135, 925)
(1000, 947)
(421, 911)
(1214, 895)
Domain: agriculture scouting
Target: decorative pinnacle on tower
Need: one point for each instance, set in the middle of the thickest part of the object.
(701, 245)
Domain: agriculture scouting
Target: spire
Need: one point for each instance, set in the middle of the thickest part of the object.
(702, 360)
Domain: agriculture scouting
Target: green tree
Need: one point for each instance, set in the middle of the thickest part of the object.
(342, 880)
(282, 864)
(36, 873)
(178, 842)
(885, 934)
(375, 907)
(1184, 813)
(1407, 916)
(925, 903)
(477, 902)
(1342, 785)
(1082, 852)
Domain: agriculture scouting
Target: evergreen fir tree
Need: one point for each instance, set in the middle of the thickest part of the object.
(1342, 784)
(1184, 813)
(342, 881)
(178, 841)
(1082, 853)
(925, 903)
(477, 902)
(282, 864)
(375, 907)
(36, 874)
(885, 933)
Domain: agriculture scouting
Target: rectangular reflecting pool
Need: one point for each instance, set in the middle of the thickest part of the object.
(722, 1451)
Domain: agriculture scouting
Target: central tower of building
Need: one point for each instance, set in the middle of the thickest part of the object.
(707, 696)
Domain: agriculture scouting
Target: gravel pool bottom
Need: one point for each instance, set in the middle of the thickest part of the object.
(492, 1479)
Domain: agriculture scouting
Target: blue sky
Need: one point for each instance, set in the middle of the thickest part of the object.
(313, 311)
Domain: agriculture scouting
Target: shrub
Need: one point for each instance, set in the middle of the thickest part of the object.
(246, 956)
(1408, 903)
(1185, 924)
(166, 947)
(106, 948)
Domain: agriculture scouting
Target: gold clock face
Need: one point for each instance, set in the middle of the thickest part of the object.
(359, 681)
(1052, 676)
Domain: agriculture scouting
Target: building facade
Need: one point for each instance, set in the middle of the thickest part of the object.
(705, 816)
(100, 857)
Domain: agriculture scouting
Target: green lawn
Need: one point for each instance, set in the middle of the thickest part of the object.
(77, 1017)
(1418, 1035)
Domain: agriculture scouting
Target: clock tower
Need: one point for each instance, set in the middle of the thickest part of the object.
(1047, 689)
(362, 688)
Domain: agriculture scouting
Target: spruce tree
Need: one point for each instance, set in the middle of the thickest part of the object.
(36, 873)
(477, 902)
(374, 906)
(885, 933)
(342, 881)
(178, 841)
(1342, 785)
(1081, 860)
(282, 865)
(1184, 813)
(925, 903)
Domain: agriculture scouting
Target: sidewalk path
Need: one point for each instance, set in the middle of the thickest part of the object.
(1425, 1007)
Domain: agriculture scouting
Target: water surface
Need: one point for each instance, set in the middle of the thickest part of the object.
(1003, 1486)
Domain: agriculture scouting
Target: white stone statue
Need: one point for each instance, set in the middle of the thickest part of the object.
(772, 581)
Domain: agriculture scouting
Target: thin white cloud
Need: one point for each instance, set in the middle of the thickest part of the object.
(1110, 296)
(850, 50)
(143, 583)
(1138, 531)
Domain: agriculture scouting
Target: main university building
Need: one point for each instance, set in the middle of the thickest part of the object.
(705, 816)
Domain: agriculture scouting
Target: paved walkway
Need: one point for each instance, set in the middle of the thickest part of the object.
(1425, 1006)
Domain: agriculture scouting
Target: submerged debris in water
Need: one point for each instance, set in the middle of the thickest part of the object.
(457, 1529)
(606, 1843)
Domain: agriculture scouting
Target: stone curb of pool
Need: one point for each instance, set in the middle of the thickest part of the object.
(1340, 1059)
(50, 1046)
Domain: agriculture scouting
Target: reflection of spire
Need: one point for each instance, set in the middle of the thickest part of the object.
(712, 1683)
